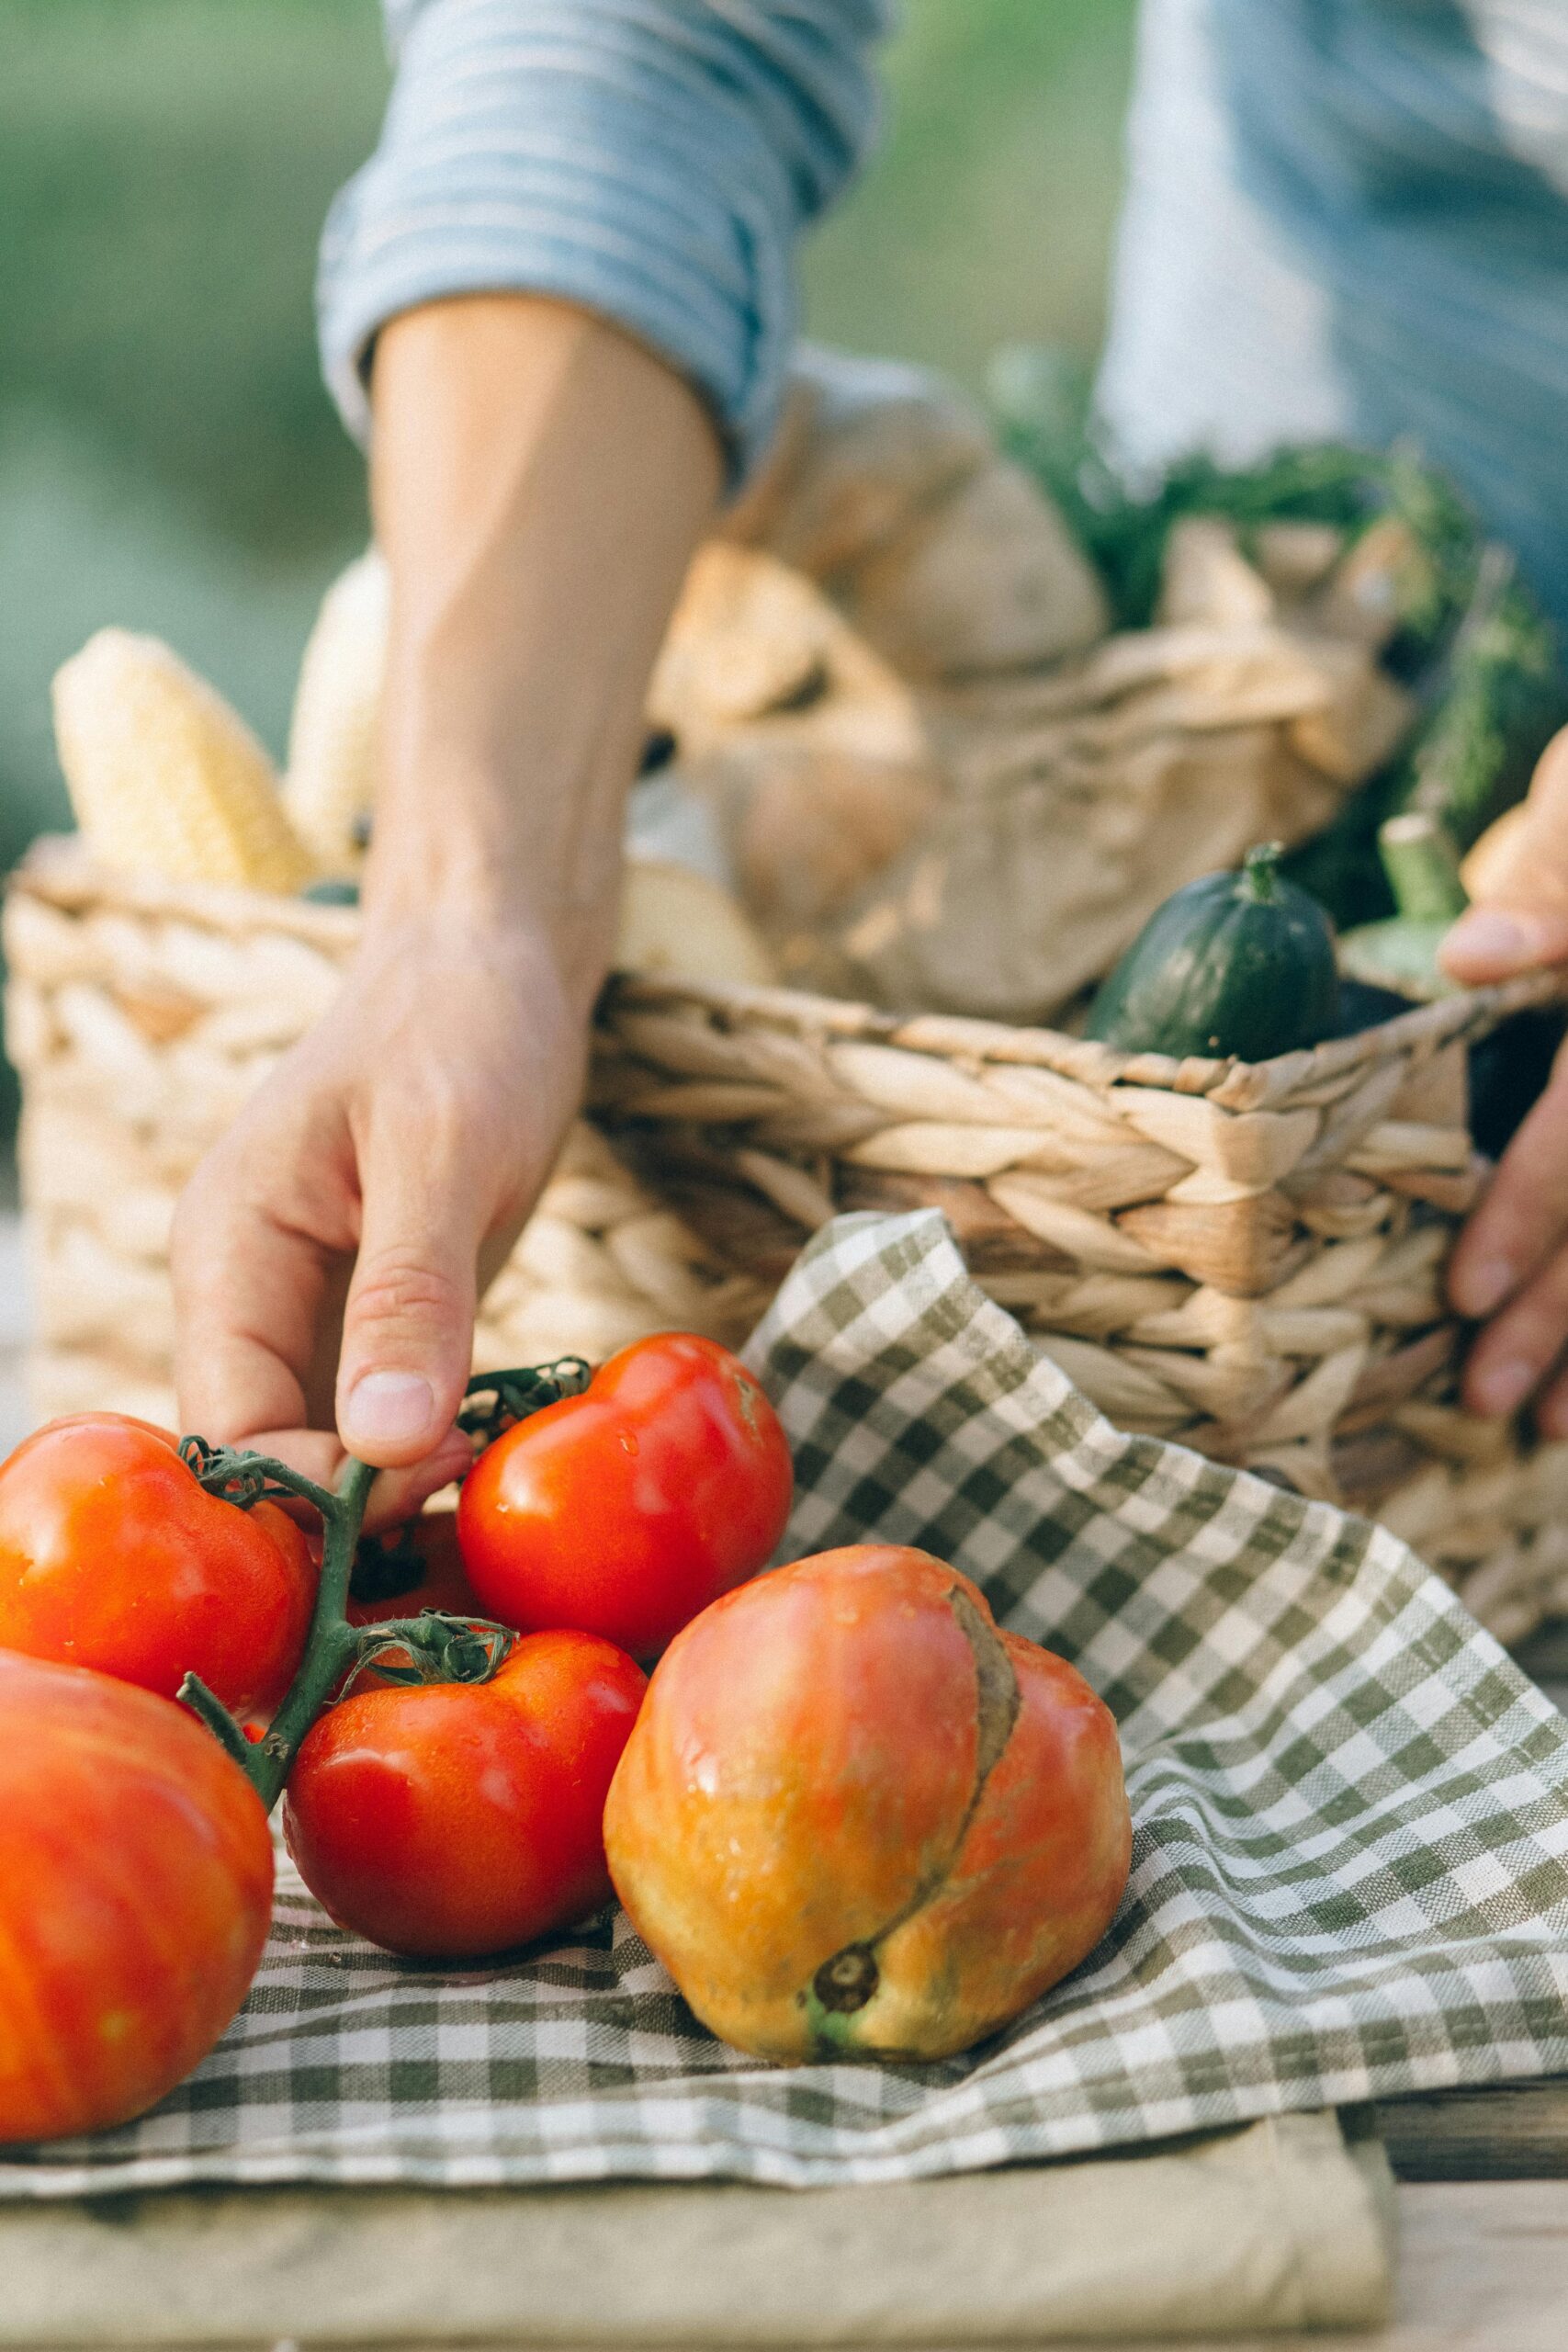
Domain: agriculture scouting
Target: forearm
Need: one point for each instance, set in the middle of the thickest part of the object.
(538, 485)
(539, 481)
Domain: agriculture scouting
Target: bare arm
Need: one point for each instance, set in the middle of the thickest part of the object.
(539, 482)
(1511, 1266)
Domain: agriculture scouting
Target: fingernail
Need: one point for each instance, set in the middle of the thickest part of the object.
(1477, 1289)
(388, 1408)
(1503, 1385)
(1486, 936)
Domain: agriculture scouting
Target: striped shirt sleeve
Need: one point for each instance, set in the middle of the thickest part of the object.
(652, 159)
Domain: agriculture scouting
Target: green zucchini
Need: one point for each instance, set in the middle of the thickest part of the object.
(1235, 962)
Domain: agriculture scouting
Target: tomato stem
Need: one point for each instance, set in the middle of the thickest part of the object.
(332, 1644)
(245, 1479)
(195, 1694)
(438, 1646)
(332, 1641)
(1260, 872)
(526, 1389)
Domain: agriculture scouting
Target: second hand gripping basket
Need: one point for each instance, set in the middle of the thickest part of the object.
(1246, 1259)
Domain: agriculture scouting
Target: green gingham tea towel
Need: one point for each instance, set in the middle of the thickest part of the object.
(1350, 1879)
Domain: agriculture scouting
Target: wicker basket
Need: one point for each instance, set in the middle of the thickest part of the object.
(1247, 1260)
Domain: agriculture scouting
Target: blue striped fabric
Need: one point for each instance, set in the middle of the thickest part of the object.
(1344, 216)
(1351, 217)
(654, 160)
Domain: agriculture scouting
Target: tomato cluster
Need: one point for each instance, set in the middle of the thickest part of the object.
(854, 1816)
(445, 1729)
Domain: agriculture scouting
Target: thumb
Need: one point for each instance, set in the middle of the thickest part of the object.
(408, 1326)
(1492, 942)
(1517, 876)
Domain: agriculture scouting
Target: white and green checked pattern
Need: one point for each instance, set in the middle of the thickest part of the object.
(1350, 1877)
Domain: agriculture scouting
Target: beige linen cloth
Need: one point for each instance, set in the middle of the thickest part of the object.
(1284, 2226)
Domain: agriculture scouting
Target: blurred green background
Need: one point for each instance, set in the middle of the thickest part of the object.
(168, 459)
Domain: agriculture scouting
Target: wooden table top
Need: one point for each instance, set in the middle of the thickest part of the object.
(1483, 2267)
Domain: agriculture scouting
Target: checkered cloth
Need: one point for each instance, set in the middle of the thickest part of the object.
(1349, 1880)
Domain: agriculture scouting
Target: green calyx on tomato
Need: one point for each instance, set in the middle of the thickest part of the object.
(515, 1395)
(608, 1509)
(117, 1553)
(605, 1512)
(351, 1629)
(455, 1822)
(431, 1646)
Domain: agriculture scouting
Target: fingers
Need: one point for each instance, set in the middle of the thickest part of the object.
(396, 1495)
(250, 1296)
(1524, 1217)
(248, 1291)
(1492, 943)
(1552, 1413)
(1520, 1347)
(409, 1323)
(1517, 876)
(1511, 1263)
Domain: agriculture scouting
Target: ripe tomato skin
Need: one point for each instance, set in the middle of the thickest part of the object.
(111, 1556)
(443, 1584)
(135, 1894)
(806, 1785)
(627, 1509)
(448, 1820)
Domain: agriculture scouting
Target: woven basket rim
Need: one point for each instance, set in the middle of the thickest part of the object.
(57, 869)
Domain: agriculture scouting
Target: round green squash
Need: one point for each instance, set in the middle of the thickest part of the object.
(1237, 963)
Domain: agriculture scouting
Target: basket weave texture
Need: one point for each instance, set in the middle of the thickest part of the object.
(1246, 1259)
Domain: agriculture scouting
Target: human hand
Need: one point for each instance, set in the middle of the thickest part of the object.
(539, 483)
(381, 1171)
(1511, 1266)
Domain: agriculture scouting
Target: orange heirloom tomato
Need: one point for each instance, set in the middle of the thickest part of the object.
(857, 1819)
(627, 1509)
(452, 1819)
(112, 1556)
(135, 1893)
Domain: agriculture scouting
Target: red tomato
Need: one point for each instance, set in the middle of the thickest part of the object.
(449, 1819)
(111, 1556)
(135, 1892)
(627, 1509)
(441, 1582)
